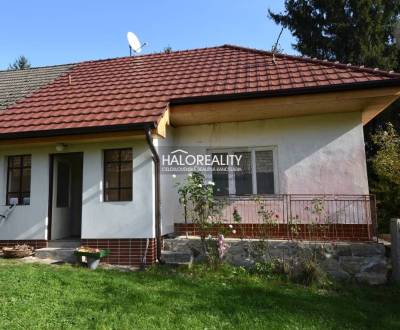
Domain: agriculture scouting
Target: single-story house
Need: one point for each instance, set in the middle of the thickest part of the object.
(84, 147)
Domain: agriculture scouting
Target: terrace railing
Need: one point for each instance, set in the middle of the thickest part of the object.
(302, 217)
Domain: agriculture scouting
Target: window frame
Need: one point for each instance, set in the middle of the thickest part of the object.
(212, 152)
(119, 162)
(21, 168)
(252, 150)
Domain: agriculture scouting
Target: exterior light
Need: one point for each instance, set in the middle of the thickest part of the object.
(60, 147)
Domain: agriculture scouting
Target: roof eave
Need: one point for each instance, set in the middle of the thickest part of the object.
(78, 131)
(285, 92)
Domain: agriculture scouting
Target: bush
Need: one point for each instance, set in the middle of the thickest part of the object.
(305, 271)
(385, 182)
(308, 272)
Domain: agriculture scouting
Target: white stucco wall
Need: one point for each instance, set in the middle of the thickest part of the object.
(26, 221)
(133, 219)
(168, 192)
(314, 154)
(100, 219)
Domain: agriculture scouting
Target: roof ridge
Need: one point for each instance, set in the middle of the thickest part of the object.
(242, 48)
(316, 60)
(150, 54)
(115, 58)
(37, 68)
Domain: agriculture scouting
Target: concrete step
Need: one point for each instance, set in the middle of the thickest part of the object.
(64, 243)
(59, 254)
(177, 258)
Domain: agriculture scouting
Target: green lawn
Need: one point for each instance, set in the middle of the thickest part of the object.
(63, 297)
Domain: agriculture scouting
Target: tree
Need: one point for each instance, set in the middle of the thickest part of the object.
(386, 161)
(349, 31)
(21, 63)
(167, 50)
(386, 166)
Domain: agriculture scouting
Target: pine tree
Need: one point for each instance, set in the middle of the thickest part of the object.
(349, 31)
(21, 63)
(167, 49)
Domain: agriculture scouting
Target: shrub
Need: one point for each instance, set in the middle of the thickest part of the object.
(385, 183)
(197, 198)
(270, 269)
(308, 272)
(305, 271)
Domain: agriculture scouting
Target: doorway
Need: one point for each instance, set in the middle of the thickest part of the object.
(65, 199)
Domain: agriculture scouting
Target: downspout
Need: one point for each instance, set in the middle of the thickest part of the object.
(156, 160)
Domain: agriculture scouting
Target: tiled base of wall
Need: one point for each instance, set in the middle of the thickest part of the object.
(126, 251)
(339, 232)
(122, 251)
(37, 244)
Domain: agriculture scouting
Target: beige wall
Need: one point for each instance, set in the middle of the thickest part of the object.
(321, 154)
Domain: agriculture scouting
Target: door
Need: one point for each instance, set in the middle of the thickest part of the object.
(66, 210)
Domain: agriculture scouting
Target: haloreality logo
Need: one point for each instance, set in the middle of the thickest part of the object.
(181, 160)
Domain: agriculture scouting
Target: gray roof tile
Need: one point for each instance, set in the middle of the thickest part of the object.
(17, 84)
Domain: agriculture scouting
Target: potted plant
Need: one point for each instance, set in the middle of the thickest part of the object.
(18, 251)
(92, 255)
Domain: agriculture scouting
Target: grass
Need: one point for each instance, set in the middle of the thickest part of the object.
(34, 296)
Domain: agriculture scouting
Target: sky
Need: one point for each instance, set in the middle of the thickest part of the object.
(57, 32)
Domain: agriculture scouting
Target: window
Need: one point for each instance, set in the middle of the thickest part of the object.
(253, 175)
(118, 175)
(220, 177)
(63, 183)
(264, 171)
(244, 177)
(19, 180)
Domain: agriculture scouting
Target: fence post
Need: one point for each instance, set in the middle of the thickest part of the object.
(374, 217)
(395, 248)
(289, 215)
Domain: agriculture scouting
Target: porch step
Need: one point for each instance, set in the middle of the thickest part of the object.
(64, 243)
(59, 254)
(177, 258)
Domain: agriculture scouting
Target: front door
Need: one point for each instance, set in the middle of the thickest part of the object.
(66, 196)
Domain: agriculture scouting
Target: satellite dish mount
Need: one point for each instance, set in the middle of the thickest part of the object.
(134, 43)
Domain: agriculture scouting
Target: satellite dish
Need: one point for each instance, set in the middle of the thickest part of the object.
(134, 43)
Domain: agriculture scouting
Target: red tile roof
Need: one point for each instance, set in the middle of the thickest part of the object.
(133, 90)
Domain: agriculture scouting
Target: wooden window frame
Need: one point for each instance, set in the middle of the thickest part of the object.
(252, 150)
(120, 187)
(21, 168)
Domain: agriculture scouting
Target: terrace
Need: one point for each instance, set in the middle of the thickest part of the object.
(294, 216)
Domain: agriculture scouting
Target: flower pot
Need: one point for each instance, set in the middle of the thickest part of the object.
(92, 255)
(93, 262)
(18, 251)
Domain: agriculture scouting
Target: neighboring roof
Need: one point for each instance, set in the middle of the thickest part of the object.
(17, 84)
(129, 91)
